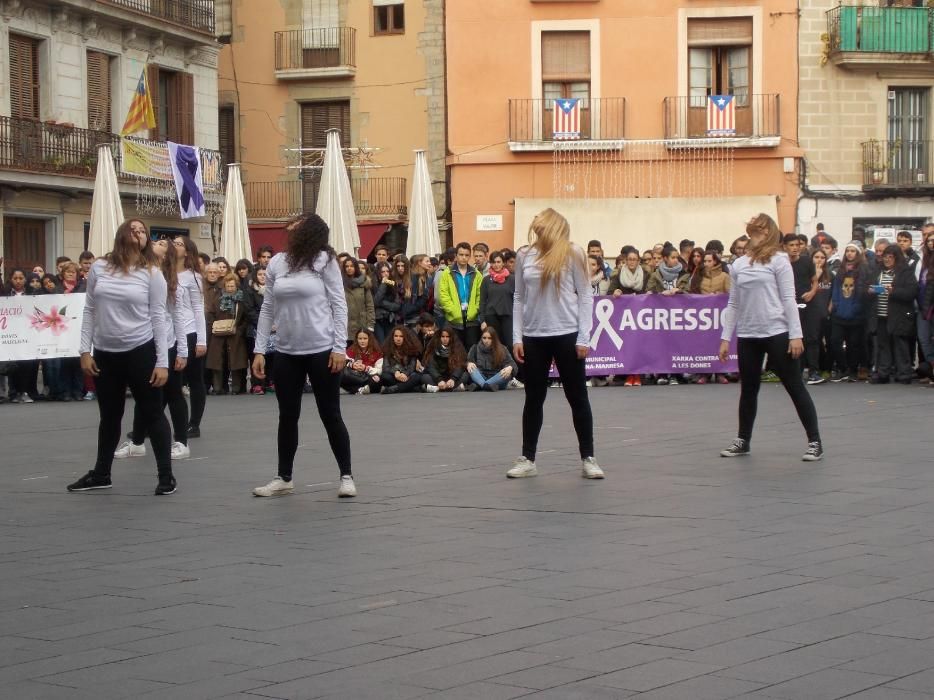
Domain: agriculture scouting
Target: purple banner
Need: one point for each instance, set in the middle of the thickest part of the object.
(658, 334)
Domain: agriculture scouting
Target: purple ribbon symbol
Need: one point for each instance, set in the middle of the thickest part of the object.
(187, 162)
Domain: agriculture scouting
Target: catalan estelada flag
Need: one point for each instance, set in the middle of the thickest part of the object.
(566, 119)
(141, 115)
(721, 115)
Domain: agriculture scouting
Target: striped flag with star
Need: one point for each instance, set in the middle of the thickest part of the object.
(566, 119)
(721, 115)
(141, 115)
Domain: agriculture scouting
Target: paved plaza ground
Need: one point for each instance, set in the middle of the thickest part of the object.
(681, 576)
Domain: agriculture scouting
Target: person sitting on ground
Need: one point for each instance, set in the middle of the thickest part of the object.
(400, 361)
(490, 364)
(445, 362)
(364, 365)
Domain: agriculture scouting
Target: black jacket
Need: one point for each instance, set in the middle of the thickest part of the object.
(496, 299)
(901, 303)
(252, 302)
(386, 302)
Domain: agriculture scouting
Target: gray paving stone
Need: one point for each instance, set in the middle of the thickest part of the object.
(680, 576)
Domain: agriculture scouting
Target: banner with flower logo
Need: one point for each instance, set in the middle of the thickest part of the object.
(40, 327)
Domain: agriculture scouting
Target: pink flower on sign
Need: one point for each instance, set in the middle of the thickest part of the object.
(55, 322)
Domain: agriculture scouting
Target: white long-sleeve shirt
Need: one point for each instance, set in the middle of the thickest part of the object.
(192, 305)
(538, 312)
(762, 300)
(175, 324)
(125, 310)
(308, 309)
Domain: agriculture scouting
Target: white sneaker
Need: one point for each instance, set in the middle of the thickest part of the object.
(25, 398)
(522, 468)
(515, 384)
(128, 449)
(590, 469)
(431, 388)
(90, 396)
(347, 488)
(180, 451)
(186, 391)
(364, 390)
(276, 487)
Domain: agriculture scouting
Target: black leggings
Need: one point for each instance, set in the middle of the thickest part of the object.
(352, 382)
(133, 369)
(853, 356)
(752, 352)
(291, 371)
(173, 398)
(539, 353)
(194, 375)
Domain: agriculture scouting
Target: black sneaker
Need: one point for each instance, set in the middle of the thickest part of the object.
(737, 448)
(837, 377)
(91, 481)
(815, 378)
(814, 453)
(166, 486)
(194, 431)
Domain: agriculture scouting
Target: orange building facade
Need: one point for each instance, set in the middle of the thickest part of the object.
(647, 151)
(372, 69)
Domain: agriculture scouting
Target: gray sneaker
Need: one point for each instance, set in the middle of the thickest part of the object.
(276, 487)
(590, 469)
(737, 448)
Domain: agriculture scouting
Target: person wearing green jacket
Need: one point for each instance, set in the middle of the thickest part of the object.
(459, 296)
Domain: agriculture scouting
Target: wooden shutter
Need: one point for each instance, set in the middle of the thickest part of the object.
(24, 77)
(185, 89)
(565, 56)
(226, 135)
(721, 31)
(318, 117)
(23, 242)
(99, 91)
(152, 78)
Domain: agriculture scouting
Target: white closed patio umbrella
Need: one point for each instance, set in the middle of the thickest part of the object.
(106, 209)
(423, 219)
(235, 235)
(335, 200)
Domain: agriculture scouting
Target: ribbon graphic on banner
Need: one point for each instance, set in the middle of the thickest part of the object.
(603, 313)
(186, 170)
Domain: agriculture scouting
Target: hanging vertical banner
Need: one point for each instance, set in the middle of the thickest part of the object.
(721, 115)
(566, 119)
(189, 183)
(145, 159)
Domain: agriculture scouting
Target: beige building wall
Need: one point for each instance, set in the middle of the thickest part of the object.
(396, 93)
(841, 106)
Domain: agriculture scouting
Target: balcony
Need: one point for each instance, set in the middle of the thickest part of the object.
(38, 152)
(757, 122)
(871, 36)
(602, 121)
(900, 166)
(372, 197)
(191, 14)
(304, 54)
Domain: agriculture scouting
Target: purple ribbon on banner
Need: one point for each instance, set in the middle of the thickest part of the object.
(187, 161)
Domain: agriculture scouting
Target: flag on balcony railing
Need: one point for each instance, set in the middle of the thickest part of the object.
(189, 184)
(141, 115)
(566, 119)
(721, 115)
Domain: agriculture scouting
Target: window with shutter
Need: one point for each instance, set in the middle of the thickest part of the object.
(719, 59)
(24, 77)
(226, 134)
(99, 95)
(388, 17)
(156, 88)
(173, 96)
(566, 73)
(317, 118)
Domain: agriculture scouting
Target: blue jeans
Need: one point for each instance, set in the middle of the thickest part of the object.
(481, 381)
(924, 338)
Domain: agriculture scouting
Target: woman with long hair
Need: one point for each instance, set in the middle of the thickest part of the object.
(763, 313)
(360, 311)
(445, 362)
(178, 357)
(304, 301)
(243, 269)
(489, 363)
(817, 317)
(191, 308)
(24, 373)
(552, 315)
(411, 290)
(364, 365)
(848, 305)
(496, 294)
(125, 308)
(385, 300)
(401, 354)
(710, 278)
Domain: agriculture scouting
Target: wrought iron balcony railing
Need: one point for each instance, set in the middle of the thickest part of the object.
(753, 116)
(597, 119)
(874, 29)
(61, 149)
(193, 14)
(372, 196)
(898, 164)
(310, 49)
